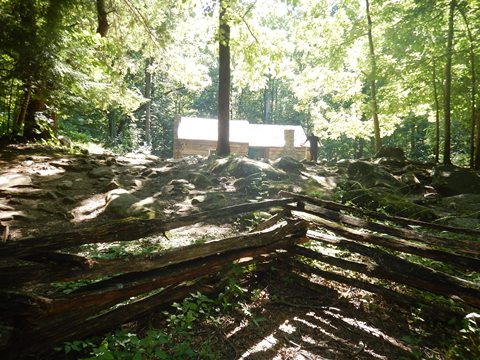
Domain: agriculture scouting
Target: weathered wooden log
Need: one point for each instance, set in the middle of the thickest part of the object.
(121, 287)
(444, 312)
(85, 321)
(375, 215)
(53, 332)
(270, 221)
(141, 263)
(451, 258)
(125, 230)
(297, 266)
(464, 246)
(393, 268)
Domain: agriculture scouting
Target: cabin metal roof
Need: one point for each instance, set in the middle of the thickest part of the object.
(241, 131)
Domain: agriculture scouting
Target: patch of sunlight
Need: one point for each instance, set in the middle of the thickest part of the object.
(94, 148)
(242, 325)
(266, 343)
(320, 329)
(362, 325)
(287, 327)
(328, 182)
(88, 209)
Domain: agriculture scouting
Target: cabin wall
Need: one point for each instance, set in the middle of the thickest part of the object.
(273, 153)
(182, 147)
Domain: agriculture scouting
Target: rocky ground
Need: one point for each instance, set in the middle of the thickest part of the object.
(47, 190)
(51, 190)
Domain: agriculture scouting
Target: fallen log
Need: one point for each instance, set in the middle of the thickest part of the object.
(390, 267)
(375, 215)
(451, 258)
(125, 230)
(464, 246)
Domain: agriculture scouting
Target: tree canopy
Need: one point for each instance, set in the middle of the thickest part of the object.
(359, 73)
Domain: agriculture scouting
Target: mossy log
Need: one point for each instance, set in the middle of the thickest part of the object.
(391, 267)
(81, 324)
(464, 262)
(462, 246)
(375, 215)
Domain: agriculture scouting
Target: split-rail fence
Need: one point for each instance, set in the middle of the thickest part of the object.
(389, 250)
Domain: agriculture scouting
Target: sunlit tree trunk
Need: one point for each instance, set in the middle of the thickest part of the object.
(413, 137)
(473, 93)
(148, 105)
(477, 141)
(437, 112)
(373, 85)
(267, 103)
(448, 86)
(223, 144)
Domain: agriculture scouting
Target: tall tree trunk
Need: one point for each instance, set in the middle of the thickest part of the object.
(437, 112)
(275, 112)
(477, 141)
(9, 107)
(448, 86)
(373, 85)
(413, 138)
(148, 105)
(111, 124)
(18, 128)
(473, 93)
(102, 13)
(223, 144)
(36, 128)
(267, 103)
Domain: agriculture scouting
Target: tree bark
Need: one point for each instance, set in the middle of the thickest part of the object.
(23, 110)
(148, 105)
(473, 90)
(448, 86)
(102, 13)
(373, 84)
(437, 111)
(267, 102)
(223, 144)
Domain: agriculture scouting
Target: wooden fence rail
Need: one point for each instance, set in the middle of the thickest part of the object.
(134, 285)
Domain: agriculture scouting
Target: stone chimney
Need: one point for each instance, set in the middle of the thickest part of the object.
(289, 136)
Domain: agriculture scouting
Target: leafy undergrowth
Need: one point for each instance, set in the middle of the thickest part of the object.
(278, 317)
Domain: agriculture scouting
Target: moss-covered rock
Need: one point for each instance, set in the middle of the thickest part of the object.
(371, 175)
(379, 200)
(450, 180)
(121, 203)
(242, 167)
(289, 165)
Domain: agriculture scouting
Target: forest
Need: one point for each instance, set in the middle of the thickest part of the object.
(358, 73)
(116, 245)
